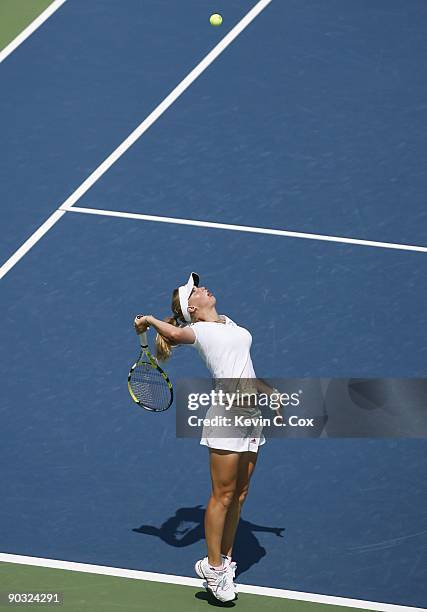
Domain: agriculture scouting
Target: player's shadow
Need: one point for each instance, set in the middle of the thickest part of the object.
(212, 601)
(186, 528)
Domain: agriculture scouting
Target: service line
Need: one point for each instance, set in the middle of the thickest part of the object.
(245, 228)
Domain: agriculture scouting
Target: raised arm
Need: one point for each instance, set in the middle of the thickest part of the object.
(263, 387)
(175, 335)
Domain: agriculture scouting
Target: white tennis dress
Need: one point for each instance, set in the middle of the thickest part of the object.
(225, 349)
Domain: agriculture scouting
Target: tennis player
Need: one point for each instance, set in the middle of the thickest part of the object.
(225, 348)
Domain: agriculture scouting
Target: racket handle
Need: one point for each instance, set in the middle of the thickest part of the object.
(143, 339)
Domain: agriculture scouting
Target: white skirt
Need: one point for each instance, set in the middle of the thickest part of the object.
(238, 445)
(249, 437)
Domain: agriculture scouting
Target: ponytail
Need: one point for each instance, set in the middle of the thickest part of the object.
(163, 346)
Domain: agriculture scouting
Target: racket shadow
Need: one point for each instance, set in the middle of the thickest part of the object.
(186, 528)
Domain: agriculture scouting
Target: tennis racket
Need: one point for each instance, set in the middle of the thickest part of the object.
(148, 385)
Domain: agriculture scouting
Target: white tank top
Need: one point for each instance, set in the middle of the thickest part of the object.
(225, 348)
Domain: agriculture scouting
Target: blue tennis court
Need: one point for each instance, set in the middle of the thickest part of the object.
(312, 120)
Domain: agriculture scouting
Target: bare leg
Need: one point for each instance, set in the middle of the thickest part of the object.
(247, 462)
(230, 527)
(224, 473)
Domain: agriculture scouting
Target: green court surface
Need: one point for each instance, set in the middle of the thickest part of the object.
(83, 591)
(16, 15)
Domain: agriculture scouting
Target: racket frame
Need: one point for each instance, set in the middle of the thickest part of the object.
(153, 362)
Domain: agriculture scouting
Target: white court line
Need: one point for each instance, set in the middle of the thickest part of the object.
(143, 127)
(34, 25)
(23, 249)
(243, 228)
(196, 582)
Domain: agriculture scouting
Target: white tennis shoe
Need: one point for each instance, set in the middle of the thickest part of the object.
(227, 561)
(219, 582)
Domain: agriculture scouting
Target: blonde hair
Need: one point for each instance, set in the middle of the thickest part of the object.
(164, 346)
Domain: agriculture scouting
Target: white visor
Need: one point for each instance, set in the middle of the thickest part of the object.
(184, 293)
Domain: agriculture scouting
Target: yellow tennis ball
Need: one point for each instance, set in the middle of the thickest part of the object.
(215, 19)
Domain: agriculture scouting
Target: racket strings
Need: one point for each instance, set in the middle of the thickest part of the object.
(150, 387)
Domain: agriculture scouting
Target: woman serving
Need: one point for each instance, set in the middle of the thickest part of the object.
(225, 349)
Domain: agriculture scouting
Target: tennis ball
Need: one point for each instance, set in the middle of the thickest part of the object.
(215, 19)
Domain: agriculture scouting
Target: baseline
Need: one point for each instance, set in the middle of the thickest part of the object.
(197, 582)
